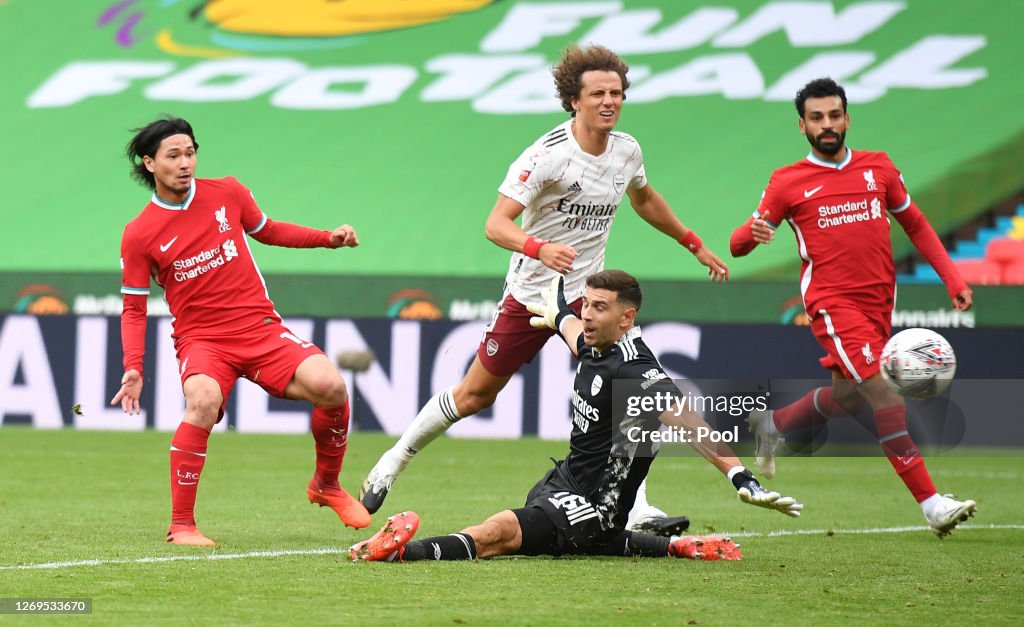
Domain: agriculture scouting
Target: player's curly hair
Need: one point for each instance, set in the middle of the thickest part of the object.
(147, 141)
(819, 88)
(575, 61)
(624, 284)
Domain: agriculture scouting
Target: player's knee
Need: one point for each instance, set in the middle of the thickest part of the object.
(329, 390)
(470, 402)
(202, 407)
(498, 535)
(878, 394)
(853, 406)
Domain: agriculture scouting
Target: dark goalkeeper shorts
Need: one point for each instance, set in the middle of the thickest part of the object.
(558, 519)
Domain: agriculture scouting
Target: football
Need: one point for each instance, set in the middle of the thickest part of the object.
(918, 363)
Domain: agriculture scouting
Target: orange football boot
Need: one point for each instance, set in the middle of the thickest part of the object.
(350, 511)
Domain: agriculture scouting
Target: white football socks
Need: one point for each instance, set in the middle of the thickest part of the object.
(641, 497)
(929, 503)
(434, 419)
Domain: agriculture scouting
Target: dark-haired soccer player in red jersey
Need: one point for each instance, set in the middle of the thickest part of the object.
(836, 201)
(191, 239)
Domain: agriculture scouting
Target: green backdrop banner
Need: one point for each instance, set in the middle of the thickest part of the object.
(475, 298)
(401, 117)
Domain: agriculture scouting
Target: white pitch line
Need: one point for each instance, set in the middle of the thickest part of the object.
(236, 556)
(170, 558)
(970, 474)
(819, 532)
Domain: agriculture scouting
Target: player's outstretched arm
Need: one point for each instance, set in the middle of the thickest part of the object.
(653, 208)
(290, 235)
(501, 228)
(722, 457)
(554, 313)
(924, 238)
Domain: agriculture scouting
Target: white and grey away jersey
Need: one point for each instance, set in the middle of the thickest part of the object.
(571, 198)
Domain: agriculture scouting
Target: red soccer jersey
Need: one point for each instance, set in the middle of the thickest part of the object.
(197, 251)
(838, 213)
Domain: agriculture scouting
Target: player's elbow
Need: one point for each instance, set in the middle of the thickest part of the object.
(493, 230)
(739, 246)
(490, 232)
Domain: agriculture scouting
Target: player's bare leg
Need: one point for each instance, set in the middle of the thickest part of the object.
(317, 380)
(476, 392)
(203, 399)
(942, 512)
(498, 535)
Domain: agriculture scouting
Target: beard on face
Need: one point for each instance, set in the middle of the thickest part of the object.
(827, 149)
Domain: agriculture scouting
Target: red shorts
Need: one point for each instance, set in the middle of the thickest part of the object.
(853, 339)
(509, 341)
(268, 355)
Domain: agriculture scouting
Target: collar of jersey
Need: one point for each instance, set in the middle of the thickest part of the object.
(828, 164)
(579, 149)
(175, 206)
(628, 336)
(632, 334)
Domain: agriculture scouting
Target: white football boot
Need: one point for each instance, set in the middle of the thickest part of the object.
(767, 439)
(946, 513)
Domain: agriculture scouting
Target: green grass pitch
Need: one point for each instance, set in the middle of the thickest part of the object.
(72, 496)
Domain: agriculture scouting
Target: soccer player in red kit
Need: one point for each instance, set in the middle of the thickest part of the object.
(836, 200)
(191, 239)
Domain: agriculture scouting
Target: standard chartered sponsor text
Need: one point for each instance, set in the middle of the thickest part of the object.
(198, 264)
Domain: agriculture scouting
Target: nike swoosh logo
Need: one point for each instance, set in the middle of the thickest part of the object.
(180, 482)
(810, 192)
(164, 247)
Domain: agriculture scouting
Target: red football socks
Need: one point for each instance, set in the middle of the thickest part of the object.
(891, 423)
(808, 411)
(188, 454)
(330, 431)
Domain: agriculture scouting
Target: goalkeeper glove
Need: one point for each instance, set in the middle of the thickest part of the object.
(750, 491)
(554, 309)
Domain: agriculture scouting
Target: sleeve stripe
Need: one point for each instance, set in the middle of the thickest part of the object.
(906, 203)
(757, 216)
(259, 226)
(139, 291)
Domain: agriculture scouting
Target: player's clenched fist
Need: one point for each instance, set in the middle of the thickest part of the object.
(343, 236)
(762, 231)
(558, 257)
